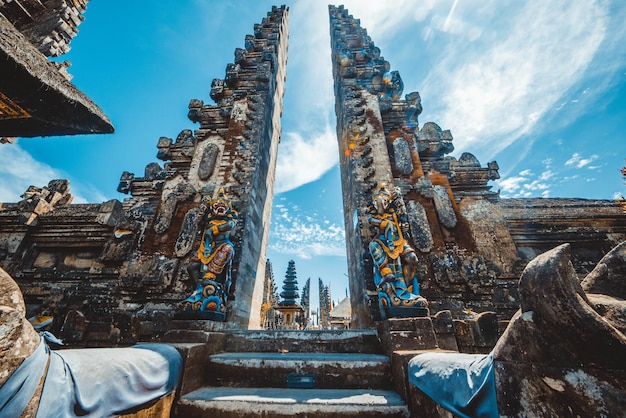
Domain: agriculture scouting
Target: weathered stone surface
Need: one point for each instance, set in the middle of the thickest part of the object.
(38, 201)
(110, 213)
(444, 330)
(126, 180)
(407, 334)
(485, 329)
(558, 348)
(443, 206)
(74, 327)
(433, 141)
(183, 191)
(609, 276)
(18, 338)
(420, 229)
(553, 303)
(612, 309)
(187, 236)
(402, 156)
(464, 333)
(490, 232)
(208, 161)
(154, 171)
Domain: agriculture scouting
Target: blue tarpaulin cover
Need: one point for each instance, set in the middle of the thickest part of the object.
(92, 383)
(462, 383)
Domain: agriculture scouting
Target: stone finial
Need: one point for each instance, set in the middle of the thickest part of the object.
(37, 201)
(154, 171)
(433, 141)
(609, 276)
(126, 181)
(493, 168)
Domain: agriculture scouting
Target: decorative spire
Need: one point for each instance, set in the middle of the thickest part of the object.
(290, 286)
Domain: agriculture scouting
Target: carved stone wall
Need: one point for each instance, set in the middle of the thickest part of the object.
(472, 245)
(111, 273)
(50, 25)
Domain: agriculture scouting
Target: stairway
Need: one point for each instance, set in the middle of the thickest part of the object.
(287, 374)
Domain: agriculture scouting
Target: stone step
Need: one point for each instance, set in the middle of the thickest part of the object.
(338, 341)
(327, 370)
(273, 402)
(328, 341)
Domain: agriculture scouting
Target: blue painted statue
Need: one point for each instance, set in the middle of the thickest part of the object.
(395, 262)
(212, 267)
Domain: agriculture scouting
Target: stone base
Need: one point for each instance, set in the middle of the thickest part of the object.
(210, 315)
(406, 312)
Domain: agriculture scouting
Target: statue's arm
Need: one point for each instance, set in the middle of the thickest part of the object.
(223, 228)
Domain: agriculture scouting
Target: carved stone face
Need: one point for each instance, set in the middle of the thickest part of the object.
(220, 206)
(380, 200)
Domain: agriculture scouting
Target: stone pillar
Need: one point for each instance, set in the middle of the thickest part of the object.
(244, 128)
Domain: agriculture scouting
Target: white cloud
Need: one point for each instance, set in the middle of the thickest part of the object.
(523, 185)
(579, 161)
(512, 184)
(306, 235)
(382, 19)
(536, 185)
(494, 90)
(302, 161)
(586, 161)
(19, 170)
(574, 159)
(546, 175)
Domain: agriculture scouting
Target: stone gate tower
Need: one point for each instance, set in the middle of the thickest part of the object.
(113, 272)
(235, 149)
(246, 128)
(380, 141)
(471, 244)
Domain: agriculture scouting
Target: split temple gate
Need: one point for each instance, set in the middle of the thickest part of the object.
(112, 273)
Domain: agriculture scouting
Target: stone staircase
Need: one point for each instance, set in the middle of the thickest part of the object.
(284, 374)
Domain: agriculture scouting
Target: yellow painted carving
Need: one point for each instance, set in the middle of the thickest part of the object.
(11, 110)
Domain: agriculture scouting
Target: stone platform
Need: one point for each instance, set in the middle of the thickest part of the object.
(279, 373)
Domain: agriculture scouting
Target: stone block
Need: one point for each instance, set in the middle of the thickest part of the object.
(423, 325)
(399, 367)
(442, 322)
(395, 324)
(485, 329)
(144, 329)
(447, 341)
(208, 161)
(443, 207)
(185, 335)
(425, 333)
(194, 357)
(464, 333)
(405, 340)
(74, 327)
(402, 156)
(419, 226)
(421, 405)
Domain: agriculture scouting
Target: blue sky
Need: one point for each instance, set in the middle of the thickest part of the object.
(538, 86)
